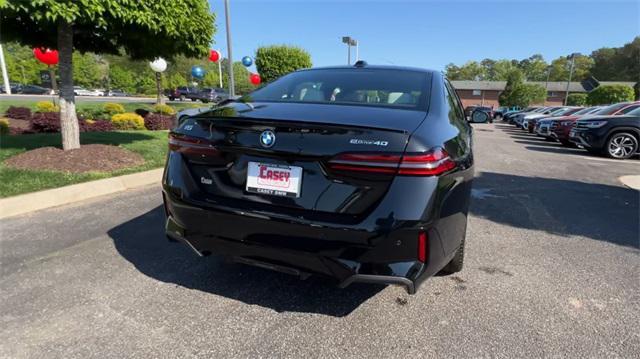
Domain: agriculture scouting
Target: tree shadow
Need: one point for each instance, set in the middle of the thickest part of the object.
(559, 207)
(143, 243)
(33, 141)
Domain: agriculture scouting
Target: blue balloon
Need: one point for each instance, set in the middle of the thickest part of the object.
(197, 72)
(247, 61)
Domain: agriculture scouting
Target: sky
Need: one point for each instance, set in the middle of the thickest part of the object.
(427, 34)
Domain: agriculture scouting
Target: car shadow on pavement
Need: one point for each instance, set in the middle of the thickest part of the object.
(142, 242)
(560, 207)
(576, 151)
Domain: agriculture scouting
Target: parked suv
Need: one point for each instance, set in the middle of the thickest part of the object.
(182, 93)
(614, 136)
(214, 94)
(362, 174)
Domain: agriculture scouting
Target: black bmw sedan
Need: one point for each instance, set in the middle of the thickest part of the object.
(358, 173)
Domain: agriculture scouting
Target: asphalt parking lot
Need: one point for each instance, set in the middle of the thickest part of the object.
(552, 269)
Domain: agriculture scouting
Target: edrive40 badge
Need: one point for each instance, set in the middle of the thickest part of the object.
(267, 138)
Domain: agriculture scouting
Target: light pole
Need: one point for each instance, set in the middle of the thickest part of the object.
(572, 57)
(5, 77)
(158, 66)
(351, 42)
(546, 84)
(227, 16)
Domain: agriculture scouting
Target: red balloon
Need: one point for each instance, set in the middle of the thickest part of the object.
(46, 56)
(214, 55)
(255, 79)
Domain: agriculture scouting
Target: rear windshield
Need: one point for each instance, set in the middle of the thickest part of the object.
(367, 87)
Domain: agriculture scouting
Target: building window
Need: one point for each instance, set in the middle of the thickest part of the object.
(477, 92)
(552, 94)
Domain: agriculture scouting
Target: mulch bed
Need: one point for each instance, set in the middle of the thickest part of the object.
(88, 158)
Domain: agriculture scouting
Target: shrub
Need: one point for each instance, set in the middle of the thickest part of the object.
(275, 61)
(113, 108)
(577, 99)
(606, 94)
(96, 126)
(45, 122)
(4, 126)
(156, 121)
(46, 106)
(164, 110)
(128, 121)
(19, 113)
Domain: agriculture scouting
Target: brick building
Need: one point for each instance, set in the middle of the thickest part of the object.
(486, 93)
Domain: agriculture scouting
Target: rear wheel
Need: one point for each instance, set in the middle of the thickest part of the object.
(621, 145)
(457, 262)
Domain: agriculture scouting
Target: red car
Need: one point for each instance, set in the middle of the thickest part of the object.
(561, 126)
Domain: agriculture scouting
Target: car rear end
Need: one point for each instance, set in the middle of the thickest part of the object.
(304, 186)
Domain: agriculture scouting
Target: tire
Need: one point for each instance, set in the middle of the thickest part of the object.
(621, 145)
(457, 262)
(172, 98)
(567, 143)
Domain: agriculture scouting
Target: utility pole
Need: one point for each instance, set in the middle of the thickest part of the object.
(232, 87)
(566, 94)
(5, 77)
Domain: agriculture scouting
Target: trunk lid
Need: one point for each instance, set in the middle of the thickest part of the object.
(307, 136)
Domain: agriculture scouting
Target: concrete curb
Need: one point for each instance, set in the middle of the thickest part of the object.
(632, 182)
(24, 203)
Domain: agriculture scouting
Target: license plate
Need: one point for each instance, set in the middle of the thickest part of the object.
(572, 133)
(274, 180)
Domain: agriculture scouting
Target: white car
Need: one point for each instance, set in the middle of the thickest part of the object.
(81, 91)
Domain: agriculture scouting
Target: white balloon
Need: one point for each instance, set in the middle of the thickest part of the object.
(158, 65)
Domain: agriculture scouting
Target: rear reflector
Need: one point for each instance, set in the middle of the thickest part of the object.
(431, 163)
(422, 247)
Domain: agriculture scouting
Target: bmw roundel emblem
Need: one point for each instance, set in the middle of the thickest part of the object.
(267, 138)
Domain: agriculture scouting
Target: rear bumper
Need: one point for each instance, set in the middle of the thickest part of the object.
(385, 259)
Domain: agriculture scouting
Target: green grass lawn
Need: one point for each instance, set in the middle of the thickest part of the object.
(151, 145)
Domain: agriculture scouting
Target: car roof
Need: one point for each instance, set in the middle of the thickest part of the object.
(373, 67)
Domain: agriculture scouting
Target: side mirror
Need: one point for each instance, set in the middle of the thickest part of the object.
(478, 116)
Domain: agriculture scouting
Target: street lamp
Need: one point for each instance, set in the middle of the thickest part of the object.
(351, 42)
(158, 66)
(571, 57)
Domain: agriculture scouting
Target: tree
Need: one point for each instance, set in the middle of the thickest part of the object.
(606, 94)
(618, 63)
(561, 66)
(211, 79)
(518, 93)
(577, 99)
(142, 29)
(277, 60)
(515, 78)
(122, 78)
(534, 68)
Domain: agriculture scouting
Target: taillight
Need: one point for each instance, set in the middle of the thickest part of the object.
(431, 163)
(422, 247)
(190, 145)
